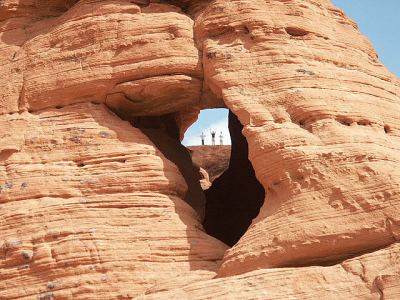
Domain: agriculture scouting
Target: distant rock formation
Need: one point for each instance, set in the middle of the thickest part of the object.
(214, 160)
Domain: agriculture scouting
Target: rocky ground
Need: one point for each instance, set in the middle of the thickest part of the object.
(213, 159)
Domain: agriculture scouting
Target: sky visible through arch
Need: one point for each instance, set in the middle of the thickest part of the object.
(379, 20)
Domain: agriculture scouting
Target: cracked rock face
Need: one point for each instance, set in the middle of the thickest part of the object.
(92, 207)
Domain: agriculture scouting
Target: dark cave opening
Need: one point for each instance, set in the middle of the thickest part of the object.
(234, 199)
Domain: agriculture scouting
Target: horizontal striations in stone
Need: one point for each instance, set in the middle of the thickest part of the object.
(369, 276)
(155, 95)
(36, 9)
(321, 117)
(82, 54)
(90, 209)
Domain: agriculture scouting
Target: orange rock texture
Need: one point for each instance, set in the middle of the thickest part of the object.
(212, 159)
(95, 202)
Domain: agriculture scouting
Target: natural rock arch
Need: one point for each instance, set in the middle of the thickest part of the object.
(90, 206)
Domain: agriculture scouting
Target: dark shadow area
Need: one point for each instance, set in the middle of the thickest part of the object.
(235, 198)
(164, 134)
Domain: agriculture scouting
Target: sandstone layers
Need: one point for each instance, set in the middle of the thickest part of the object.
(90, 208)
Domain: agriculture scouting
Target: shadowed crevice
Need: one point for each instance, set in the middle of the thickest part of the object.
(235, 198)
(164, 134)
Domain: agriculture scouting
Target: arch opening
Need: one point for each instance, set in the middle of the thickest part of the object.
(209, 142)
(235, 198)
(222, 186)
(233, 195)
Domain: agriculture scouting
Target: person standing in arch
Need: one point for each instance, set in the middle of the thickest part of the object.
(213, 137)
(202, 136)
(221, 139)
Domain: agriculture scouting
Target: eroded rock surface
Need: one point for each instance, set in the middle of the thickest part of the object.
(321, 117)
(90, 208)
(89, 204)
(357, 278)
(110, 52)
(213, 159)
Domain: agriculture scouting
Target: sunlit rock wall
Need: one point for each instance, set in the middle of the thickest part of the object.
(91, 209)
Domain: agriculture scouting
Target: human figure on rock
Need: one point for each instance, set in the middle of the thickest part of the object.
(213, 137)
(202, 136)
(221, 139)
(235, 197)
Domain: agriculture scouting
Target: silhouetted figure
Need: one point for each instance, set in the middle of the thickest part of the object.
(221, 139)
(213, 137)
(203, 136)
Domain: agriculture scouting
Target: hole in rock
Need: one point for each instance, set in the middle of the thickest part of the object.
(387, 129)
(364, 123)
(210, 155)
(234, 198)
(232, 195)
(296, 31)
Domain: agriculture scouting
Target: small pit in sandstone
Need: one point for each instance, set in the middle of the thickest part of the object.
(296, 31)
(387, 129)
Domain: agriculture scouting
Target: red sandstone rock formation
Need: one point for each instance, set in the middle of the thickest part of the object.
(99, 201)
(213, 159)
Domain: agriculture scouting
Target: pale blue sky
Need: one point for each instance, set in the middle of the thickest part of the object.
(379, 20)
